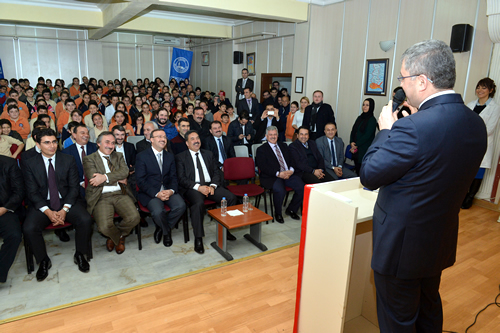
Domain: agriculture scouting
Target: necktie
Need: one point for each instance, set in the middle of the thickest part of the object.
(84, 177)
(249, 102)
(222, 151)
(280, 158)
(334, 159)
(112, 169)
(55, 202)
(200, 169)
(160, 161)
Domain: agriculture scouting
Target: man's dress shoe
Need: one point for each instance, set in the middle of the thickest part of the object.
(62, 234)
(158, 234)
(83, 264)
(230, 237)
(110, 245)
(167, 239)
(198, 245)
(43, 269)
(279, 219)
(292, 214)
(120, 248)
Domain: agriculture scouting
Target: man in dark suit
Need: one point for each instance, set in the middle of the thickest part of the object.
(307, 159)
(317, 115)
(268, 118)
(129, 154)
(108, 192)
(11, 197)
(179, 142)
(423, 165)
(277, 171)
(199, 124)
(283, 112)
(241, 84)
(81, 148)
(329, 146)
(199, 180)
(249, 105)
(220, 146)
(240, 131)
(52, 188)
(157, 182)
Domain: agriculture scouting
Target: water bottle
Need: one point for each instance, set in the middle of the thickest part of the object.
(223, 207)
(245, 203)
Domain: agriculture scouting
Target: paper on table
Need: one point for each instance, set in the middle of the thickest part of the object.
(235, 212)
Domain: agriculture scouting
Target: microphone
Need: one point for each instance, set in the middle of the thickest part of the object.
(398, 98)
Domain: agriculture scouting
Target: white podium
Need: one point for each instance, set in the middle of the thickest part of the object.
(335, 290)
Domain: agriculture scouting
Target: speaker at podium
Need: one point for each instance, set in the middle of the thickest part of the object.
(335, 287)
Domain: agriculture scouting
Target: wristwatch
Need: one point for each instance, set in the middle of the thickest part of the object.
(66, 209)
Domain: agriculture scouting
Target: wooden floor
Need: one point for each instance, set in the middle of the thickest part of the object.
(258, 295)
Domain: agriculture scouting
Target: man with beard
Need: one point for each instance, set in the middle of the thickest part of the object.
(199, 124)
(317, 115)
(179, 142)
(165, 124)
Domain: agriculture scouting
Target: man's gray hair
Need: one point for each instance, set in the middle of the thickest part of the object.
(434, 59)
(271, 128)
(99, 138)
(155, 125)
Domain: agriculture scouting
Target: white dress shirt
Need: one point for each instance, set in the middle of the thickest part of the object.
(121, 150)
(196, 173)
(108, 188)
(46, 162)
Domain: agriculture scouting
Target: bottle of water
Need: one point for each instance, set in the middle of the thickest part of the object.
(223, 207)
(245, 203)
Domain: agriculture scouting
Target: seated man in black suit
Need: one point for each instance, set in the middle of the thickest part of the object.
(199, 180)
(81, 148)
(199, 124)
(129, 154)
(219, 145)
(268, 118)
(179, 142)
(11, 197)
(331, 147)
(52, 188)
(277, 171)
(145, 143)
(157, 180)
(241, 132)
(249, 105)
(308, 160)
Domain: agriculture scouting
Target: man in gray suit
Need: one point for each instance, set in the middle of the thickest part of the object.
(330, 145)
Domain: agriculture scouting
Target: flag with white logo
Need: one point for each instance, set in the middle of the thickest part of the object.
(181, 64)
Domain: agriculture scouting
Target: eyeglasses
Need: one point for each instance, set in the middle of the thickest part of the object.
(401, 78)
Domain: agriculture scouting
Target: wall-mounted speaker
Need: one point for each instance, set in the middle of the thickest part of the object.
(237, 57)
(461, 37)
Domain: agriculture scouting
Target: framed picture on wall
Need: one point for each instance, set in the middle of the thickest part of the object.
(299, 84)
(205, 58)
(251, 63)
(376, 77)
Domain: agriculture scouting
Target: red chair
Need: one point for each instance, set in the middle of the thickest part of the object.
(239, 168)
(13, 149)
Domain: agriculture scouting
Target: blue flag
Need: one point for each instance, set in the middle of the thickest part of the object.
(1, 70)
(181, 64)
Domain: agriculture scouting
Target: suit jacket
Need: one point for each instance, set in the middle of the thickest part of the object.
(323, 145)
(11, 184)
(150, 178)
(75, 151)
(37, 185)
(178, 145)
(424, 167)
(186, 169)
(240, 89)
(299, 156)
(25, 156)
(273, 101)
(324, 116)
(130, 154)
(254, 112)
(234, 130)
(94, 164)
(211, 144)
(268, 164)
(260, 127)
(203, 130)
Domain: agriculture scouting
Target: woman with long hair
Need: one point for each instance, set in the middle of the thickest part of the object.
(99, 126)
(138, 124)
(120, 118)
(363, 132)
(299, 116)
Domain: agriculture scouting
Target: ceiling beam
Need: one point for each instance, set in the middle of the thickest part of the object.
(116, 14)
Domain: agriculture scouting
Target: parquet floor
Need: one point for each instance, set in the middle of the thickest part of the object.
(258, 295)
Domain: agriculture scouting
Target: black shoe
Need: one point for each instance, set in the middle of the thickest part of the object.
(230, 237)
(167, 239)
(83, 264)
(62, 234)
(279, 219)
(158, 235)
(144, 223)
(43, 269)
(467, 203)
(198, 245)
(292, 214)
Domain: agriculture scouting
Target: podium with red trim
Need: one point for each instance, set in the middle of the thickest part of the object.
(335, 288)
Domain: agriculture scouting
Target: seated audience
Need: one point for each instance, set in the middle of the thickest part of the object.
(165, 124)
(99, 126)
(220, 146)
(277, 171)
(108, 193)
(224, 119)
(6, 142)
(42, 110)
(6, 129)
(18, 123)
(65, 115)
(138, 124)
(121, 119)
(23, 108)
(42, 122)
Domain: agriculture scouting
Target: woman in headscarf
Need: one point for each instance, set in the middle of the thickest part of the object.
(363, 132)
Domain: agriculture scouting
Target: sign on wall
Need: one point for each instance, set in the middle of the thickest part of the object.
(181, 64)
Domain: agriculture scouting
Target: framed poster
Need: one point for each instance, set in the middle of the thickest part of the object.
(205, 58)
(376, 77)
(299, 84)
(251, 63)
